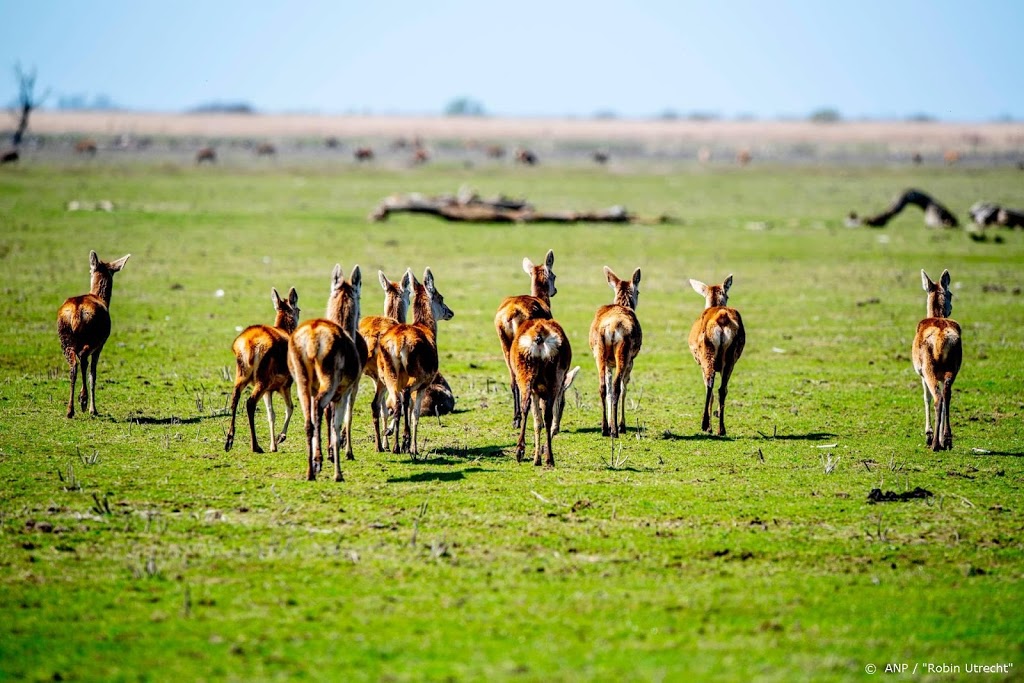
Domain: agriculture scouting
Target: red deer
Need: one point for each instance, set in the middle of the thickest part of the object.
(439, 398)
(207, 154)
(515, 309)
(615, 340)
(951, 157)
(601, 157)
(744, 157)
(83, 325)
(396, 302)
(540, 359)
(266, 149)
(332, 143)
(86, 146)
(10, 156)
(363, 154)
(261, 359)
(407, 360)
(420, 156)
(937, 353)
(526, 157)
(716, 342)
(326, 358)
(704, 155)
(495, 151)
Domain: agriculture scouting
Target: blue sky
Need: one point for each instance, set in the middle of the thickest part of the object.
(955, 61)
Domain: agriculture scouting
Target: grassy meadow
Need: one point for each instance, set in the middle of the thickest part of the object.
(132, 547)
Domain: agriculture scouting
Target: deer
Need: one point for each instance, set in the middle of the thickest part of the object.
(516, 309)
(615, 341)
(261, 359)
(407, 360)
(937, 353)
(396, 303)
(83, 325)
(540, 360)
(716, 342)
(363, 154)
(326, 358)
(207, 154)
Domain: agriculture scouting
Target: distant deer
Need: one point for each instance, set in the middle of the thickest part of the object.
(420, 156)
(744, 157)
(601, 157)
(207, 154)
(495, 151)
(326, 358)
(396, 303)
(9, 156)
(407, 360)
(515, 309)
(83, 325)
(266, 149)
(615, 340)
(540, 359)
(363, 154)
(526, 157)
(716, 342)
(86, 147)
(937, 353)
(261, 359)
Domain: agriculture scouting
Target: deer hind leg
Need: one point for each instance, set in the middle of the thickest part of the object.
(548, 410)
(395, 412)
(376, 406)
(927, 412)
(309, 411)
(72, 358)
(349, 405)
(709, 399)
(517, 409)
(236, 393)
(415, 412)
(250, 411)
(947, 429)
(936, 442)
(723, 391)
(289, 408)
(268, 403)
(603, 379)
(524, 407)
(538, 425)
(622, 370)
(407, 413)
(83, 395)
(92, 381)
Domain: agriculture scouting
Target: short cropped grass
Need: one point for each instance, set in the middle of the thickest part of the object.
(132, 547)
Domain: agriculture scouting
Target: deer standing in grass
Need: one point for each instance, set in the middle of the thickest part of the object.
(516, 309)
(396, 303)
(326, 358)
(261, 359)
(937, 354)
(83, 325)
(615, 340)
(407, 361)
(540, 359)
(716, 342)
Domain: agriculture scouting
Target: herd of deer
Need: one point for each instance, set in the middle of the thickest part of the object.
(325, 358)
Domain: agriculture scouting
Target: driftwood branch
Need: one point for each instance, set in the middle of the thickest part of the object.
(471, 208)
(935, 214)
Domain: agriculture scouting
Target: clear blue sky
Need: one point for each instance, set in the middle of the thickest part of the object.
(956, 61)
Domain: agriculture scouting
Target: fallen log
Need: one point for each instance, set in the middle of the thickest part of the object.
(471, 208)
(935, 214)
(987, 213)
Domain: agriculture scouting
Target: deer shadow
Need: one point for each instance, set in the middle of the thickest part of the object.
(458, 475)
(466, 453)
(699, 436)
(171, 420)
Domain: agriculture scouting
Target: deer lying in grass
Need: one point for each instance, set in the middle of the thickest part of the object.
(716, 342)
(326, 358)
(407, 360)
(396, 303)
(615, 340)
(937, 353)
(261, 359)
(541, 356)
(83, 325)
(516, 309)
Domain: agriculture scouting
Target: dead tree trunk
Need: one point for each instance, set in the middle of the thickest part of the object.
(935, 214)
(27, 101)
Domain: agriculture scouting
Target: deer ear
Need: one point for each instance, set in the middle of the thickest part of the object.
(636, 278)
(926, 282)
(408, 279)
(528, 266)
(356, 278)
(727, 284)
(275, 298)
(94, 260)
(336, 277)
(699, 287)
(428, 279)
(383, 279)
(119, 263)
(549, 260)
(611, 277)
(293, 297)
(569, 377)
(945, 279)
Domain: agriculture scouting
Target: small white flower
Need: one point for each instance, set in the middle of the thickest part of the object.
(219, 294)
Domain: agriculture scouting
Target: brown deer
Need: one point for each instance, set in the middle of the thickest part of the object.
(207, 154)
(937, 353)
(266, 149)
(526, 157)
(326, 358)
(86, 147)
(515, 309)
(541, 356)
(716, 342)
(407, 360)
(363, 154)
(261, 359)
(83, 325)
(615, 340)
(396, 303)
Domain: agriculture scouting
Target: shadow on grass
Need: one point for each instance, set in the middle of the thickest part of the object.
(809, 436)
(434, 476)
(477, 452)
(1010, 454)
(699, 436)
(171, 420)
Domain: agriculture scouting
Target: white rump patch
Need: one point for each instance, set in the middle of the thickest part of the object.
(545, 348)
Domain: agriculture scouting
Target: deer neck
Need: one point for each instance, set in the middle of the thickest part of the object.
(102, 286)
(623, 298)
(423, 313)
(936, 305)
(395, 307)
(285, 321)
(539, 290)
(343, 309)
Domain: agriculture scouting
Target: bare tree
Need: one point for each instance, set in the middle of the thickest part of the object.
(27, 101)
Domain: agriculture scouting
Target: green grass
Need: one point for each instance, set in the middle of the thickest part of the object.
(133, 547)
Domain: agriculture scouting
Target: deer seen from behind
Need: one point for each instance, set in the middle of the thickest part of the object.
(540, 360)
(716, 342)
(514, 310)
(937, 353)
(615, 340)
(261, 359)
(83, 325)
(326, 358)
(407, 361)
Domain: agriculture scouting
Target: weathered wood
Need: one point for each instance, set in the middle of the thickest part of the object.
(987, 213)
(935, 214)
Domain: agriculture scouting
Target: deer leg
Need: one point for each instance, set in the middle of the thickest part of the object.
(375, 407)
(538, 425)
(415, 410)
(406, 420)
(236, 393)
(709, 399)
(73, 364)
(268, 403)
(927, 412)
(309, 412)
(350, 405)
(613, 404)
(289, 408)
(623, 383)
(395, 413)
(524, 408)
(548, 409)
(83, 395)
(947, 429)
(250, 411)
(342, 421)
(936, 444)
(603, 378)
(723, 391)
(92, 381)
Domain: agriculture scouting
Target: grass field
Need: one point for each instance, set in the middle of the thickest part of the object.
(132, 547)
